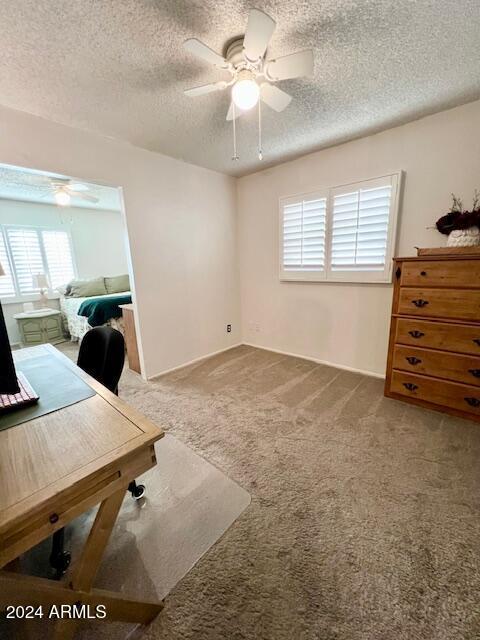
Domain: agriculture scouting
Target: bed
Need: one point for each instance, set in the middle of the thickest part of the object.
(78, 325)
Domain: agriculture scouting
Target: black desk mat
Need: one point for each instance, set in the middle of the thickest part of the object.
(56, 384)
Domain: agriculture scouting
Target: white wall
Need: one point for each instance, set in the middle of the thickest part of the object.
(98, 239)
(181, 222)
(347, 324)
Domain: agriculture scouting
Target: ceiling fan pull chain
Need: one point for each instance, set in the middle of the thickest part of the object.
(260, 152)
(234, 157)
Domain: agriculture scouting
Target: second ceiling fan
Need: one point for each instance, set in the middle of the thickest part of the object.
(65, 189)
(252, 76)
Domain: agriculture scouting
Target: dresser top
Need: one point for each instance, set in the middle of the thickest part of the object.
(445, 253)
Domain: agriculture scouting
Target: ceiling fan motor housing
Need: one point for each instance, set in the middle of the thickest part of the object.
(234, 53)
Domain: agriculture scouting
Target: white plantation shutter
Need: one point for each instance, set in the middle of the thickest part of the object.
(26, 255)
(7, 286)
(348, 236)
(27, 251)
(360, 228)
(303, 234)
(58, 255)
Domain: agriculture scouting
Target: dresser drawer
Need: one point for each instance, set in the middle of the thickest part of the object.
(461, 304)
(461, 338)
(438, 364)
(440, 273)
(462, 397)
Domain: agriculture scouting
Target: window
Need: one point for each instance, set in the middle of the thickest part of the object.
(24, 244)
(59, 257)
(26, 251)
(345, 234)
(304, 233)
(7, 287)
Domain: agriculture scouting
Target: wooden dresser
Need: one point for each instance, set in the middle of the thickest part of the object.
(434, 351)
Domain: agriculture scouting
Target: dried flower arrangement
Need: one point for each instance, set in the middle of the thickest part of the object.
(462, 227)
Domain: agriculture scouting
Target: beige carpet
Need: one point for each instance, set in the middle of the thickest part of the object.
(365, 514)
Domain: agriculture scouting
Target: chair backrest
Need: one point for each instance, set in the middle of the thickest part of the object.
(102, 355)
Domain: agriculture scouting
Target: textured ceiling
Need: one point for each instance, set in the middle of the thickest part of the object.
(35, 186)
(118, 67)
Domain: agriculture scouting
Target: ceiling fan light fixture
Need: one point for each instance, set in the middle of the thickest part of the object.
(245, 92)
(252, 73)
(62, 198)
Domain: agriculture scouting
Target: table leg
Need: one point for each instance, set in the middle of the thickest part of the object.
(19, 589)
(91, 556)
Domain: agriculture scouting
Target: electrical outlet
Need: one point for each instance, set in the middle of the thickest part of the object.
(253, 326)
(229, 328)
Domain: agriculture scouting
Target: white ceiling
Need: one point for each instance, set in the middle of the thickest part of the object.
(35, 186)
(118, 67)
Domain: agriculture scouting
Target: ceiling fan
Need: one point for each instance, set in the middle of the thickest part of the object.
(65, 189)
(252, 76)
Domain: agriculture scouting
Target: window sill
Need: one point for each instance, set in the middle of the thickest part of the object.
(344, 278)
(35, 297)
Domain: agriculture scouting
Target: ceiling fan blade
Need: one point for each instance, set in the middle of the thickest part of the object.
(83, 196)
(77, 186)
(79, 194)
(294, 65)
(260, 28)
(59, 183)
(205, 53)
(238, 112)
(274, 97)
(205, 88)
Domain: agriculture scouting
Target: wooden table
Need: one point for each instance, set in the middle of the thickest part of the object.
(56, 467)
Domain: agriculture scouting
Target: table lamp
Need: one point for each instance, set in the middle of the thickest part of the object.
(39, 281)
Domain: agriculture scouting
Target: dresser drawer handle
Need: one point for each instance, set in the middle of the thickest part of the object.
(475, 372)
(53, 518)
(477, 341)
(413, 360)
(410, 386)
(420, 303)
(473, 402)
(423, 273)
(416, 334)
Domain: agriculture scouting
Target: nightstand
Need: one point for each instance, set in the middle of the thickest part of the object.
(38, 327)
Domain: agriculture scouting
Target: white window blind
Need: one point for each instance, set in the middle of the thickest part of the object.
(26, 255)
(27, 251)
(360, 220)
(343, 234)
(58, 256)
(7, 286)
(304, 234)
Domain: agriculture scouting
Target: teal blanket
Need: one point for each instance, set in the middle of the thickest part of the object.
(100, 310)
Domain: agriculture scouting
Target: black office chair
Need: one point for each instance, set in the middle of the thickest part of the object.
(102, 356)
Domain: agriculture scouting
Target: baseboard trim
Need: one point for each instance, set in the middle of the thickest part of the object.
(335, 365)
(187, 364)
(317, 361)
